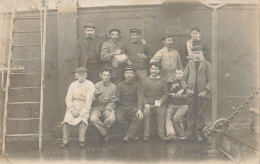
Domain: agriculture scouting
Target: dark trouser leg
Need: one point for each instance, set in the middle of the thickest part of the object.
(161, 119)
(178, 120)
(200, 119)
(121, 118)
(65, 133)
(147, 122)
(82, 131)
(134, 124)
(191, 117)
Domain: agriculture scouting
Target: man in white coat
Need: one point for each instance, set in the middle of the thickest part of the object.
(78, 100)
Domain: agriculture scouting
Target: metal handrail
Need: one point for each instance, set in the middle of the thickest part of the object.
(7, 84)
(3, 57)
(43, 46)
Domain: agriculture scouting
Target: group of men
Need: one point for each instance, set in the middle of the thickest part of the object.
(134, 84)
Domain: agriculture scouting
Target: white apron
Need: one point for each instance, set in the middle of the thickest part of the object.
(79, 98)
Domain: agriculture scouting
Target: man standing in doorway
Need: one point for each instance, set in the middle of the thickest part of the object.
(87, 48)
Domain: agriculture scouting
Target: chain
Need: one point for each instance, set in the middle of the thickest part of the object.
(222, 124)
(244, 105)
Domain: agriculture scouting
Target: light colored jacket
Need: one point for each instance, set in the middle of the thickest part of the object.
(204, 76)
(169, 60)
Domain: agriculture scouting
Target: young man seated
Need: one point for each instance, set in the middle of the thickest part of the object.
(176, 109)
(103, 104)
(78, 100)
(155, 95)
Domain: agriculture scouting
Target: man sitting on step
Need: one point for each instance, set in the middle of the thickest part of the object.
(103, 104)
(78, 101)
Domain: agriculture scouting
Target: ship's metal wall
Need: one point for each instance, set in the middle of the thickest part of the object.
(51, 76)
(238, 48)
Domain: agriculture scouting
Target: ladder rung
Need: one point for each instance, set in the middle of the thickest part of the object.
(27, 59)
(27, 17)
(25, 88)
(17, 103)
(25, 73)
(28, 45)
(22, 119)
(27, 31)
(21, 135)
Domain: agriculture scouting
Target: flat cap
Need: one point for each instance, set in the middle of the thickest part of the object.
(135, 30)
(114, 29)
(195, 29)
(197, 48)
(129, 68)
(89, 25)
(167, 36)
(81, 70)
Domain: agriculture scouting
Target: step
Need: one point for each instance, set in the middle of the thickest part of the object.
(17, 103)
(27, 31)
(28, 45)
(16, 18)
(238, 144)
(25, 88)
(26, 59)
(22, 119)
(21, 135)
(26, 73)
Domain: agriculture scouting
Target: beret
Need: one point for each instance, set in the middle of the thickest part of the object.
(129, 68)
(89, 25)
(114, 29)
(167, 36)
(81, 70)
(135, 30)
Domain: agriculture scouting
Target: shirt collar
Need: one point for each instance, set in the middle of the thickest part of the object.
(135, 41)
(157, 77)
(106, 84)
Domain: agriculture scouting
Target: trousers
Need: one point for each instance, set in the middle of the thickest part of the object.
(66, 132)
(174, 119)
(160, 112)
(126, 117)
(102, 127)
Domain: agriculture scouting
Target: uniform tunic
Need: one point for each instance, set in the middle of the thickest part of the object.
(79, 97)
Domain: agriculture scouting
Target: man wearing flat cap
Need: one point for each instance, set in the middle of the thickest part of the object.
(87, 48)
(138, 53)
(78, 101)
(129, 104)
(110, 52)
(169, 59)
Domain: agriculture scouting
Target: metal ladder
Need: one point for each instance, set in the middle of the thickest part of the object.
(42, 18)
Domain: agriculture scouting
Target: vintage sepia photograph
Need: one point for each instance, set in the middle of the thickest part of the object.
(129, 81)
